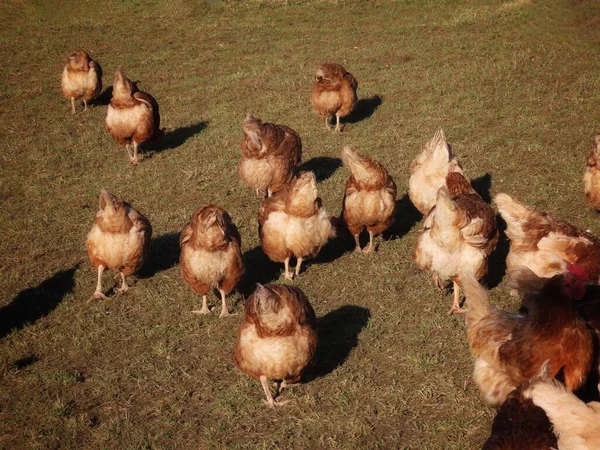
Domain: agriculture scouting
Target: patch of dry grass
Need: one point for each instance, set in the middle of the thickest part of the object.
(514, 84)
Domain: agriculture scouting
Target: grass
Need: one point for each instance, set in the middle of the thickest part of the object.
(515, 84)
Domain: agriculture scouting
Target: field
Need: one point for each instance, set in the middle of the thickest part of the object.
(514, 84)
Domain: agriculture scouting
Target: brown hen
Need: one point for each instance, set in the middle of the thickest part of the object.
(278, 337)
(334, 93)
(211, 254)
(81, 78)
(369, 197)
(591, 178)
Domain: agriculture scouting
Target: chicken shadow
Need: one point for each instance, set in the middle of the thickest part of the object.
(259, 269)
(482, 186)
(32, 304)
(104, 98)
(338, 334)
(497, 260)
(364, 109)
(164, 254)
(322, 166)
(176, 138)
(406, 217)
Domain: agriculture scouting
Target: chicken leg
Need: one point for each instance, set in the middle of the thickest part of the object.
(327, 124)
(337, 125)
(73, 105)
(134, 160)
(269, 401)
(357, 240)
(124, 288)
(456, 309)
(369, 247)
(204, 309)
(85, 104)
(298, 266)
(98, 292)
(224, 310)
(288, 275)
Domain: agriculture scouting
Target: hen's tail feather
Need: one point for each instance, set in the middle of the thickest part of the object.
(478, 305)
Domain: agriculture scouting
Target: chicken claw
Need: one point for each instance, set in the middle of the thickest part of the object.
(98, 295)
(204, 309)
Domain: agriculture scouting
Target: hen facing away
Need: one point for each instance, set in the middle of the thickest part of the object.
(278, 337)
(293, 223)
(545, 244)
(591, 178)
(334, 93)
(429, 170)
(211, 254)
(459, 234)
(119, 240)
(510, 348)
(81, 78)
(133, 116)
(270, 153)
(369, 197)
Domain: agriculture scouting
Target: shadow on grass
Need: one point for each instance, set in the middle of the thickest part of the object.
(164, 254)
(32, 304)
(25, 362)
(482, 186)
(104, 98)
(497, 260)
(407, 216)
(259, 269)
(365, 108)
(322, 166)
(338, 335)
(176, 138)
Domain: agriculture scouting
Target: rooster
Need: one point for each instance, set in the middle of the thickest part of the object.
(119, 240)
(270, 153)
(210, 254)
(459, 234)
(294, 223)
(545, 244)
(277, 339)
(81, 78)
(133, 116)
(591, 179)
(510, 348)
(369, 197)
(334, 93)
(429, 170)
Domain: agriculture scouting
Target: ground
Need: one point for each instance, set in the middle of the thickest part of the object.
(514, 84)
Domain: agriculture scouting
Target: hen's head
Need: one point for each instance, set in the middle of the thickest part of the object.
(112, 212)
(210, 225)
(123, 86)
(575, 281)
(79, 60)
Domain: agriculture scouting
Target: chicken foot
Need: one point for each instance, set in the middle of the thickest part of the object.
(224, 310)
(85, 104)
(327, 124)
(337, 125)
(369, 247)
(298, 266)
(124, 288)
(357, 240)
(456, 309)
(98, 292)
(135, 160)
(288, 275)
(204, 309)
(270, 402)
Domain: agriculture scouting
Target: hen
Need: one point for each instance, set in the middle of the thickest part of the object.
(576, 423)
(119, 240)
(81, 78)
(545, 244)
(294, 223)
(334, 93)
(270, 153)
(521, 425)
(133, 116)
(278, 337)
(510, 348)
(369, 197)
(591, 179)
(211, 254)
(459, 234)
(429, 170)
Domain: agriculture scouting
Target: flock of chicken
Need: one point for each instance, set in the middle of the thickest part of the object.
(519, 357)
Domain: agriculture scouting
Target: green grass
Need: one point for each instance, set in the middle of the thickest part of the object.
(514, 84)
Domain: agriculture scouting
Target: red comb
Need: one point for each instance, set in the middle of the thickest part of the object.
(577, 270)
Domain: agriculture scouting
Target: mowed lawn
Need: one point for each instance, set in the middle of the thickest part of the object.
(514, 84)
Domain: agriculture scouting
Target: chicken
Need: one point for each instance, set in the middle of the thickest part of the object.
(277, 339)
(591, 179)
(119, 240)
(294, 223)
(510, 348)
(521, 425)
(429, 170)
(211, 254)
(81, 78)
(576, 423)
(334, 93)
(544, 244)
(459, 234)
(369, 197)
(270, 153)
(133, 116)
